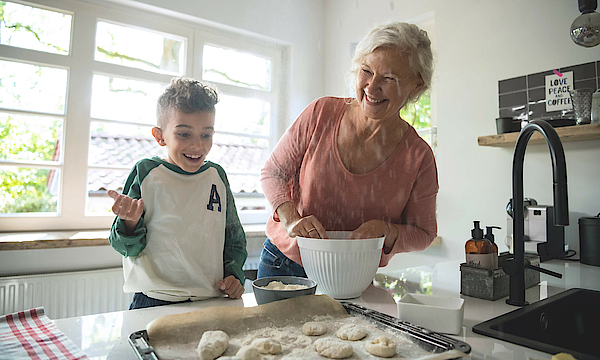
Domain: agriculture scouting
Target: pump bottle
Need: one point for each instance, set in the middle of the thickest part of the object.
(479, 250)
(490, 236)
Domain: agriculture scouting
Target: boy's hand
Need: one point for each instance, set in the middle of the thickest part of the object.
(231, 286)
(126, 208)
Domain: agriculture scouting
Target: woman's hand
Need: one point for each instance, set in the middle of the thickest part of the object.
(295, 225)
(231, 286)
(308, 226)
(374, 229)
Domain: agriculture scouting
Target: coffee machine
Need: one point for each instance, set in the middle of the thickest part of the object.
(542, 237)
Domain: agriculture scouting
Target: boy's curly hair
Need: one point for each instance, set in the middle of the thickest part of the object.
(186, 95)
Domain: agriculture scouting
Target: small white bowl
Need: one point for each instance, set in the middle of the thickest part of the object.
(343, 268)
(439, 314)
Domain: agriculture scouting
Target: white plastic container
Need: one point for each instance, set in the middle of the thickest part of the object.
(342, 268)
(439, 314)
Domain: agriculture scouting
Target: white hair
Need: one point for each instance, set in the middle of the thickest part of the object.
(407, 39)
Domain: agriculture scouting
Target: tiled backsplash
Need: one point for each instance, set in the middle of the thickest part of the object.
(524, 97)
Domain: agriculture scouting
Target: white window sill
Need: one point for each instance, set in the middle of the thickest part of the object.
(74, 238)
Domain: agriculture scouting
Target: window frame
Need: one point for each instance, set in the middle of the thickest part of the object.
(82, 66)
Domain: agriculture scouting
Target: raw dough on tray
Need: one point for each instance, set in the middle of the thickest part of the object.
(333, 348)
(314, 328)
(351, 332)
(267, 346)
(382, 346)
(212, 344)
(248, 353)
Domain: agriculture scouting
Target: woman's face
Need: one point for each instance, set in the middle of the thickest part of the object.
(384, 84)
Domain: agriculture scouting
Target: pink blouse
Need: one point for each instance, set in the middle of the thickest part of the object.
(305, 168)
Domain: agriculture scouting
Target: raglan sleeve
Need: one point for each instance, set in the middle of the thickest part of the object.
(234, 251)
(129, 245)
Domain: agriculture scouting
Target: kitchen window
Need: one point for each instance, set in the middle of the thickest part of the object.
(76, 112)
(419, 116)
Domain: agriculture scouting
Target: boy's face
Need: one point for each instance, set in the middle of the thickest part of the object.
(188, 138)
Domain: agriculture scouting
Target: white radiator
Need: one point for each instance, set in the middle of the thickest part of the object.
(65, 294)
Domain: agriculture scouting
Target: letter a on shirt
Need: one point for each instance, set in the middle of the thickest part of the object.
(214, 198)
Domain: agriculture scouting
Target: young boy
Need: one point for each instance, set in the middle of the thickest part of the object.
(177, 226)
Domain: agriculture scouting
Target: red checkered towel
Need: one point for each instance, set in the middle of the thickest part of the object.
(30, 334)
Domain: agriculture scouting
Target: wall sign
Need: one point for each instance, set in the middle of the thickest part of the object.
(557, 91)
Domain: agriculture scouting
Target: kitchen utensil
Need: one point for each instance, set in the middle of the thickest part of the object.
(441, 314)
(507, 125)
(582, 105)
(342, 267)
(264, 295)
(589, 240)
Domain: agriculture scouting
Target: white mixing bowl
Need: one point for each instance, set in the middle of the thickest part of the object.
(342, 267)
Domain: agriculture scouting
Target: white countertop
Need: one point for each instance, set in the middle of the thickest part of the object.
(105, 336)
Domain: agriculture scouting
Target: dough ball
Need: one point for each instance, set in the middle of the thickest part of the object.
(351, 332)
(267, 346)
(313, 328)
(212, 344)
(248, 353)
(333, 348)
(382, 347)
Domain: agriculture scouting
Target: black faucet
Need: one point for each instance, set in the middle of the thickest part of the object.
(515, 267)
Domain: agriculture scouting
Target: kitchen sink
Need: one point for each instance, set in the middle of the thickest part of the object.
(566, 322)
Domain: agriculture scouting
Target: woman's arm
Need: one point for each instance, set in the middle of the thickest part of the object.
(418, 226)
(280, 171)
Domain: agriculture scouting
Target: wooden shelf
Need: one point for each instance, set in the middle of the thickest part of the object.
(566, 133)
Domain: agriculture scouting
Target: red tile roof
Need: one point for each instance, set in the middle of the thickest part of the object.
(107, 150)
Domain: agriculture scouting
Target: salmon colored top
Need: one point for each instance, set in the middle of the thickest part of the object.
(305, 168)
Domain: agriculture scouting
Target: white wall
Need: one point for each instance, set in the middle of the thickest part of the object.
(297, 23)
(477, 43)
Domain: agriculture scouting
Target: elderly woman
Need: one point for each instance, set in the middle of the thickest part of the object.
(355, 164)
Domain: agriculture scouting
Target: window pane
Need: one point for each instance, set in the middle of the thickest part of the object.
(121, 145)
(26, 190)
(239, 154)
(236, 68)
(29, 138)
(130, 100)
(243, 115)
(32, 87)
(249, 184)
(418, 114)
(99, 181)
(140, 49)
(36, 29)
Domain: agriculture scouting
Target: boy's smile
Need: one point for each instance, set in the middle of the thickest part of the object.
(188, 138)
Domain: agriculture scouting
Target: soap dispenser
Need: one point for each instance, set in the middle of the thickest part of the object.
(490, 236)
(479, 250)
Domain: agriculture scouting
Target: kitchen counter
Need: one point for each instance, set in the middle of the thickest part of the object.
(105, 336)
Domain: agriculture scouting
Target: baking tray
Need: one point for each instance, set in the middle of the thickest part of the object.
(426, 339)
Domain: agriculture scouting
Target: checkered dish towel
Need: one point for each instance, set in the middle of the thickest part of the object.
(30, 334)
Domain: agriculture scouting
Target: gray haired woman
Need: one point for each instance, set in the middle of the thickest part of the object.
(353, 164)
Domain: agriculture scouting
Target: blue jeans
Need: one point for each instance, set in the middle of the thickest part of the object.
(274, 263)
(141, 301)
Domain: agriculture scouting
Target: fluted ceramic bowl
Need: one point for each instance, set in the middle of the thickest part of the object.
(342, 267)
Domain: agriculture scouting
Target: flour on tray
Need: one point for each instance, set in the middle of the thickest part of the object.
(296, 345)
